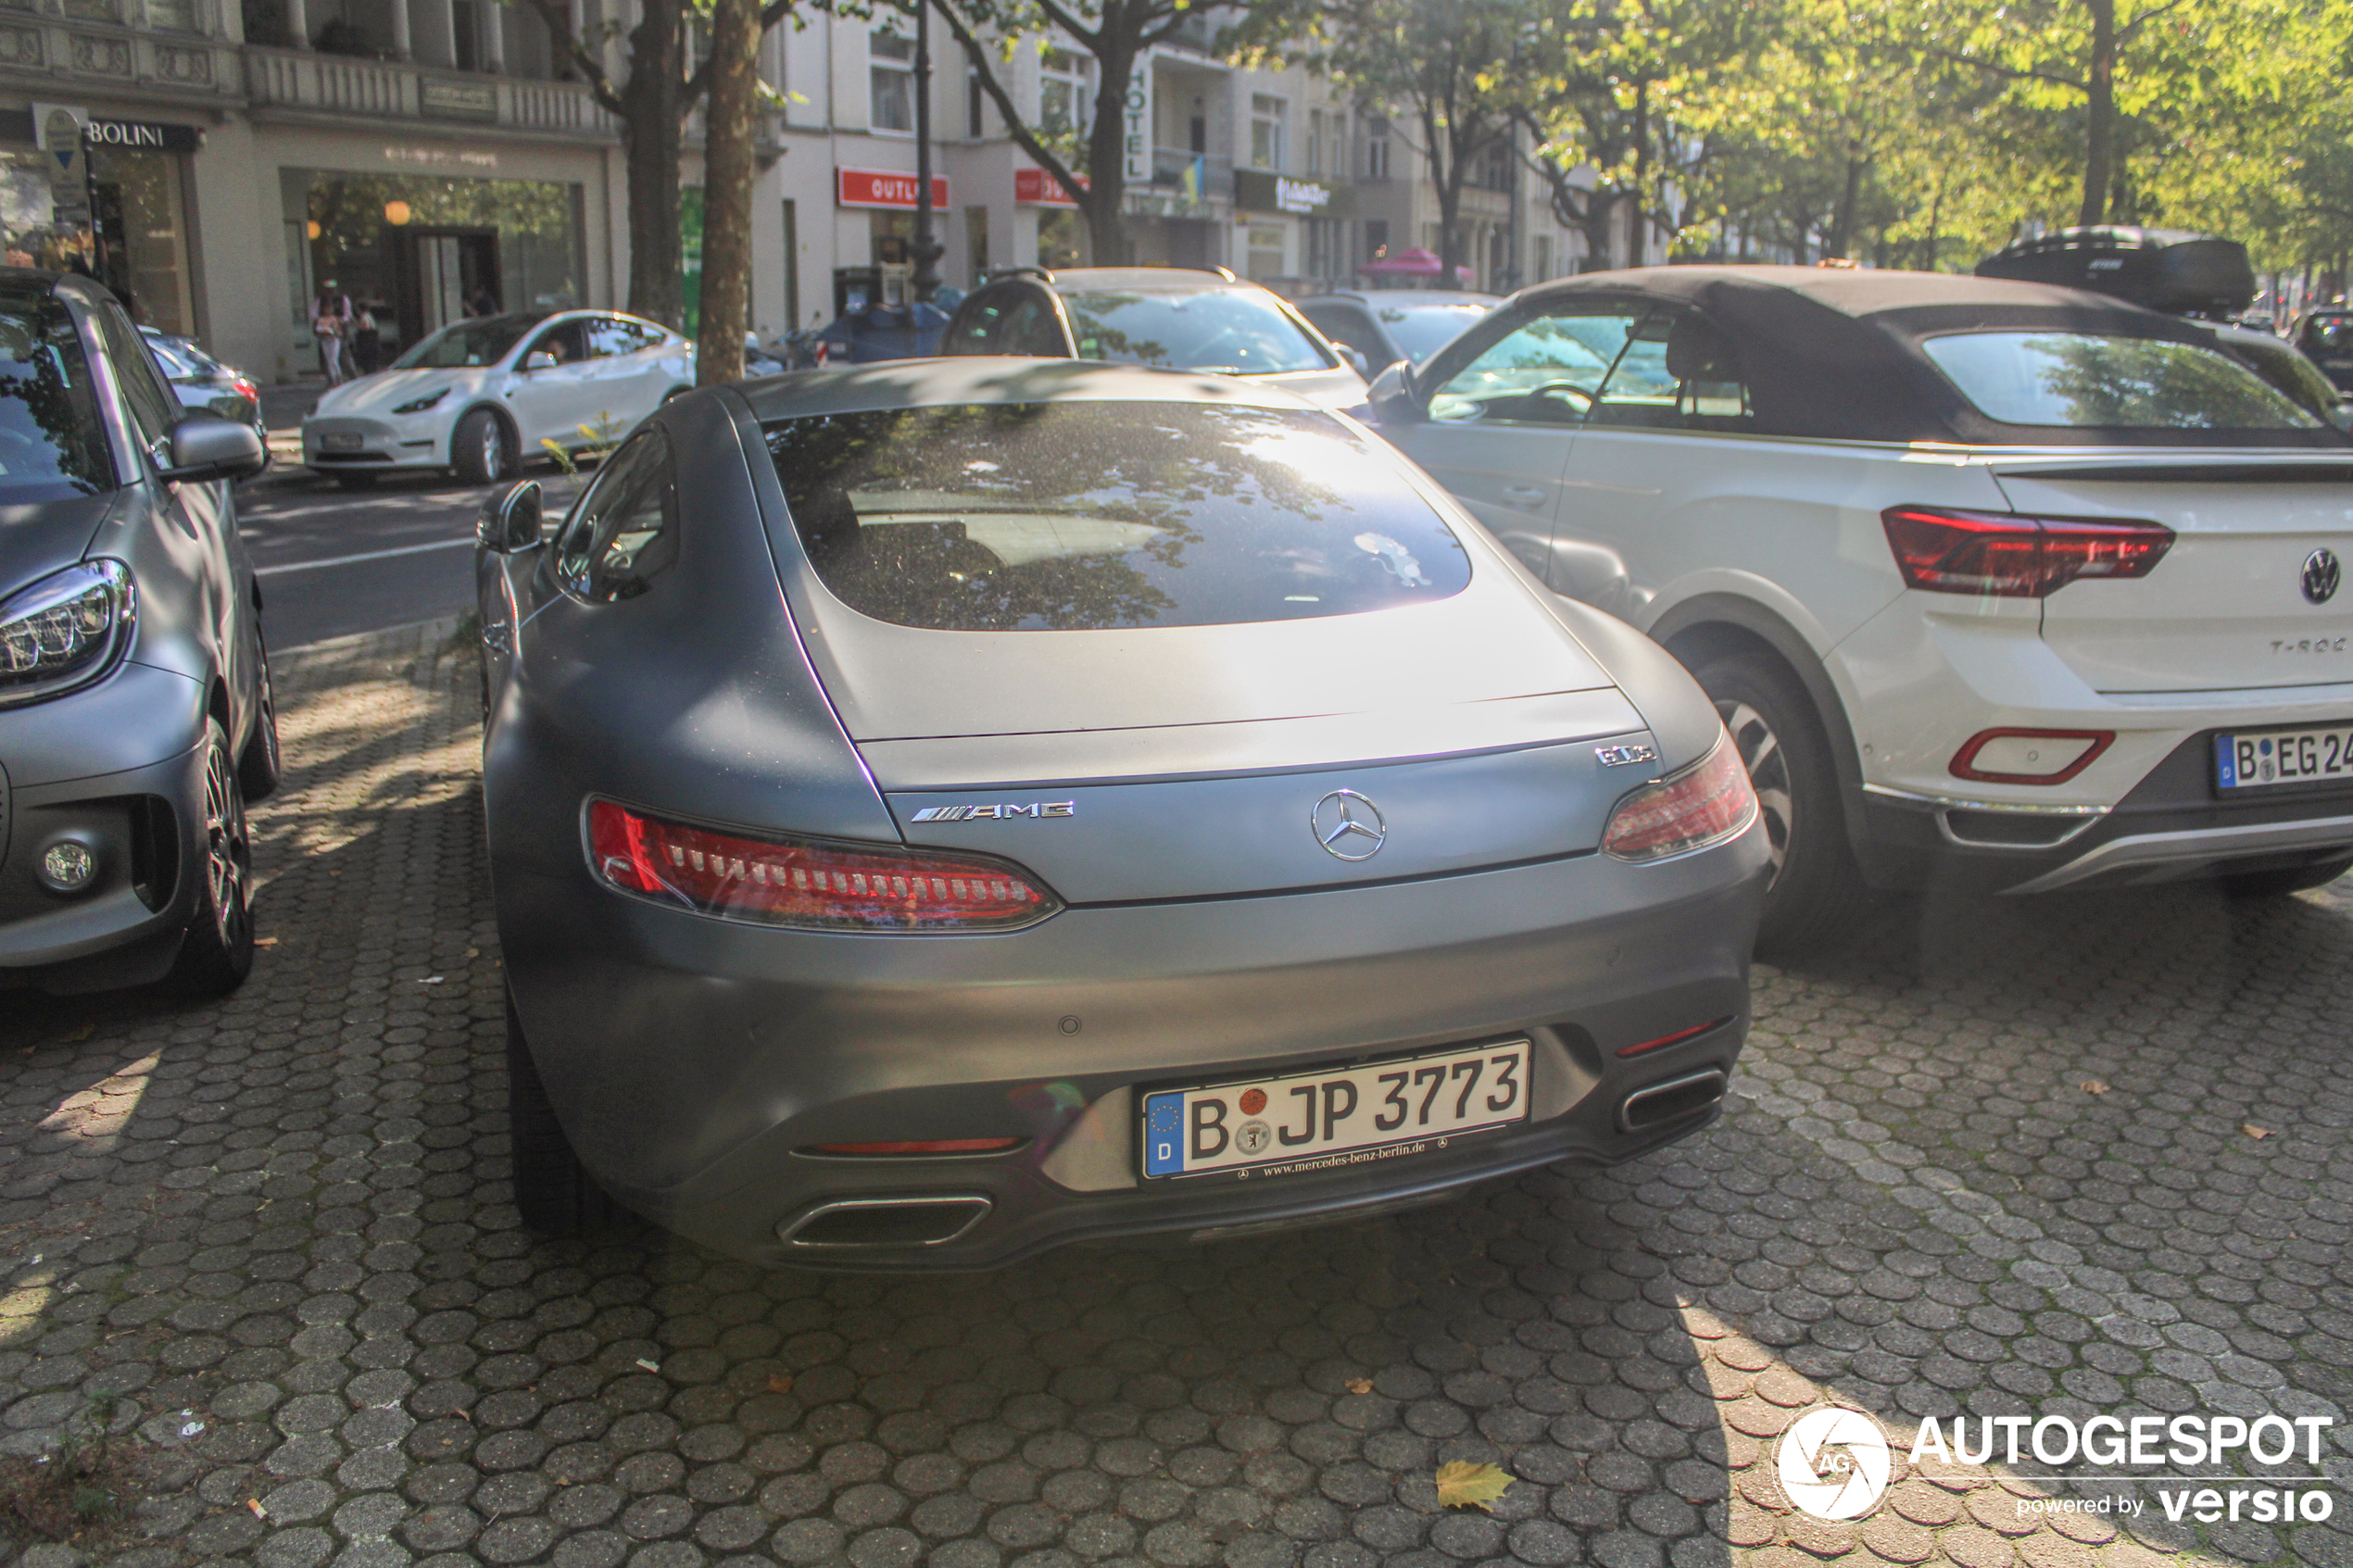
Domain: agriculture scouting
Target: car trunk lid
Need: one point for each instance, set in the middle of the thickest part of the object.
(2246, 598)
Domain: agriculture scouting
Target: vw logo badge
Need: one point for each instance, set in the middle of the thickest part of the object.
(2321, 575)
(1348, 825)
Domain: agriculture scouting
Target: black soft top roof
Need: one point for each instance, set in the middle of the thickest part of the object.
(1835, 353)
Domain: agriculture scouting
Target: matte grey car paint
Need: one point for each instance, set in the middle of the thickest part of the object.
(691, 1058)
(73, 762)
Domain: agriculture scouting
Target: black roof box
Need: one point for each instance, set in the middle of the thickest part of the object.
(2167, 270)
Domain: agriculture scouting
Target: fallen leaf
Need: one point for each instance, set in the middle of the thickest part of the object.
(258, 1512)
(1360, 1385)
(649, 1366)
(1465, 1485)
(265, 941)
(430, 980)
(2252, 1131)
(780, 1384)
(2094, 1087)
(70, 1036)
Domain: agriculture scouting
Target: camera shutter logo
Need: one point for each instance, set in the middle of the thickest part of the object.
(1833, 1463)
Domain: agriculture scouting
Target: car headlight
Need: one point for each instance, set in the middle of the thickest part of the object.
(65, 631)
(419, 404)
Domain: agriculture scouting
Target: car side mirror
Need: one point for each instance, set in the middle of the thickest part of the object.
(510, 520)
(538, 359)
(207, 447)
(1393, 397)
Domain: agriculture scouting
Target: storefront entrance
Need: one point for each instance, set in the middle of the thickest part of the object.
(442, 275)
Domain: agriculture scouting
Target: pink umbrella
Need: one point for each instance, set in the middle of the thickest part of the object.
(1414, 263)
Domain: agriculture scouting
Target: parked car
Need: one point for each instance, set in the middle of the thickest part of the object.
(481, 396)
(1170, 317)
(1016, 796)
(869, 335)
(136, 716)
(202, 382)
(2286, 367)
(1997, 586)
(1386, 325)
(2326, 335)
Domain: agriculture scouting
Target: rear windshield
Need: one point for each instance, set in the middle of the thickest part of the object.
(1238, 333)
(1049, 517)
(2103, 382)
(1422, 333)
(52, 445)
(483, 342)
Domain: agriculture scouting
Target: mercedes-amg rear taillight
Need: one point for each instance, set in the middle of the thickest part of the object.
(1705, 803)
(815, 885)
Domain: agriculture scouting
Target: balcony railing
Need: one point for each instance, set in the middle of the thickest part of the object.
(116, 43)
(302, 80)
(1172, 165)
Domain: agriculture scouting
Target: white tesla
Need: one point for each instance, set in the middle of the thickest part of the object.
(478, 396)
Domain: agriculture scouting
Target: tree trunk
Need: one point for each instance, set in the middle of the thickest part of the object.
(1637, 248)
(650, 134)
(2099, 126)
(1840, 239)
(1107, 155)
(733, 114)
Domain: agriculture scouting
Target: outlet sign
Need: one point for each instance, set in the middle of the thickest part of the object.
(878, 187)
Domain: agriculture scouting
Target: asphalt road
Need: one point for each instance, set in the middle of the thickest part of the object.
(334, 561)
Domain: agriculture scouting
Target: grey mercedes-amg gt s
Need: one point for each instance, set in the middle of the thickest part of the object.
(943, 809)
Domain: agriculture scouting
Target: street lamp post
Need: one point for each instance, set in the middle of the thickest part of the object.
(926, 249)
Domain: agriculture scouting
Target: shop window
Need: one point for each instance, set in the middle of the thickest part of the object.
(137, 201)
(1375, 238)
(1064, 103)
(1377, 149)
(892, 77)
(1267, 117)
(1265, 256)
(1315, 141)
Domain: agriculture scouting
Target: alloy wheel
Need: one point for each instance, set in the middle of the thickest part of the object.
(1767, 767)
(494, 450)
(228, 850)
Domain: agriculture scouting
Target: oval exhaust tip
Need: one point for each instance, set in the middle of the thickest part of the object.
(927, 1221)
(1676, 1100)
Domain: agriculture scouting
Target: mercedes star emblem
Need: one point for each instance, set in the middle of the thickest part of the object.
(1348, 825)
(2321, 575)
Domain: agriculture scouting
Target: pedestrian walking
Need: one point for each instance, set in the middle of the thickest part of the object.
(367, 340)
(331, 319)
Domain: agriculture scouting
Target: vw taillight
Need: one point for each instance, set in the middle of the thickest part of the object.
(1705, 803)
(813, 883)
(2008, 556)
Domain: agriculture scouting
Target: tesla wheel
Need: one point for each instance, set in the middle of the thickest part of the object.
(1818, 896)
(553, 1190)
(216, 953)
(480, 448)
(262, 764)
(2286, 880)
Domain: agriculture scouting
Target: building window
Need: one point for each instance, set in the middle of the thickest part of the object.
(1495, 168)
(1544, 257)
(1377, 149)
(1266, 260)
(1315, 141)
(891, 73)
(1064, 100)
(172, 16)
(1375, 238)
(975, 126)
(1267, 114)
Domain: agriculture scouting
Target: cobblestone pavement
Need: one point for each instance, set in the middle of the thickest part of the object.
(280, 1227)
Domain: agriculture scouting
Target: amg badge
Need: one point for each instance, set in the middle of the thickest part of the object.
(977, 813)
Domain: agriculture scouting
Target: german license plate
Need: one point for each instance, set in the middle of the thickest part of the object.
(2284, 756)
(339, 441)
(1325, 1120)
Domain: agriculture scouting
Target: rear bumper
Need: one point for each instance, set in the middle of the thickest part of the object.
(693, 1060)
(2170, 827)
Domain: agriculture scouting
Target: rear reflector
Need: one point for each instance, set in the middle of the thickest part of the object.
(813, 883)
(2028, 757)
(1705, 803)
(2006, 555)
(1676, 1039)
(920, 1146)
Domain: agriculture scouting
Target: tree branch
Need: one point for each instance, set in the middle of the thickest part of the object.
(2013, 72)
(985, 69)
(557, 18)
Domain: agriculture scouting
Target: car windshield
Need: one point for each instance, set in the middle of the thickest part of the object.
(1071, 515)
(53, 445)
(1234, 331)
(460, 343)
(2104, 382)
(1422, 332)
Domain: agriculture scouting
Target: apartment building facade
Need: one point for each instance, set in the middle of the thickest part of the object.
(216, 163)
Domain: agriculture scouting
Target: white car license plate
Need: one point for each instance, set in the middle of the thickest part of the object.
(2284, 756)
(1323, 1120)
(339, 441)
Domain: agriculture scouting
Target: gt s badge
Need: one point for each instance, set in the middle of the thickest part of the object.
(976, 813)
(1619, 755)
